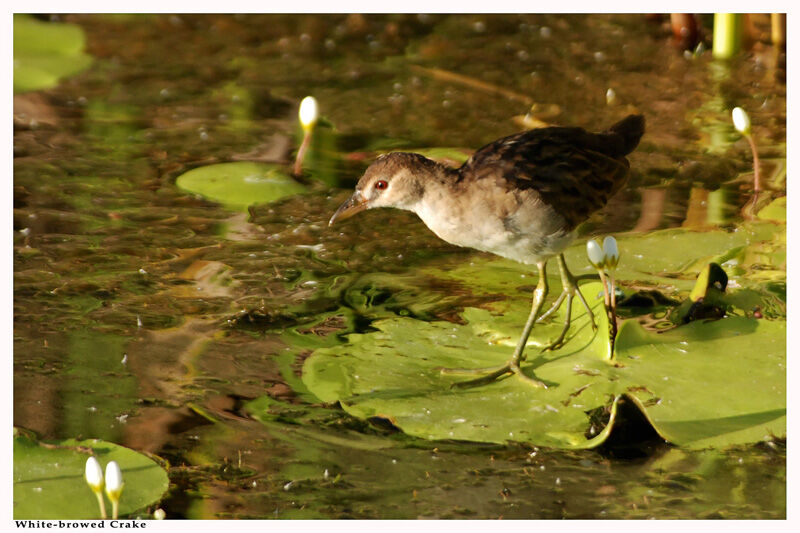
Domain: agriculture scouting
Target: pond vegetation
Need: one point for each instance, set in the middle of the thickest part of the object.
(182, 308)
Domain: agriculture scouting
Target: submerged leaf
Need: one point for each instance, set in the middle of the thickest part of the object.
(45, 52)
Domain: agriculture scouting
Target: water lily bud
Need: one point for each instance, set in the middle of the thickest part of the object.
(159, 514)
(611, 252)
(741, 121)
(595, 253)
(309, 112)
(114, 482)
(94, 474)
(611, 97)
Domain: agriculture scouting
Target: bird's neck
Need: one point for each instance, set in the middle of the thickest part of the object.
(430, 181)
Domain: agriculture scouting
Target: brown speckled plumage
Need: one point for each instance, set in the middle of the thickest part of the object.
(574, 171)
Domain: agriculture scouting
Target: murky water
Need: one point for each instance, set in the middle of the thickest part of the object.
(160, 321)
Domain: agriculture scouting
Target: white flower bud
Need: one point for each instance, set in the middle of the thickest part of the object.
(94, 474)
(595, 253)
(309, 112)
(114, 482)
(741, 121)
(611, 252)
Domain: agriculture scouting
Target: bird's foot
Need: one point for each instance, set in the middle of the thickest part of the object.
(492, 375)
(568, 293)
(561, 339)
(556, 344)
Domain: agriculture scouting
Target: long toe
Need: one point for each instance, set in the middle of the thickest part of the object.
(553, 308)
(589, 311)
(483, 380)
(471, 371)
(509, 368)
(527, 379)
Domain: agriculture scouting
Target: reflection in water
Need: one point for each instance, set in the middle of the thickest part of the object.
(652, 210)
(230, 305)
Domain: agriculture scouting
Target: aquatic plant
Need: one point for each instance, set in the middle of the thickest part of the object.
(605, 260)
(94, 477)
(114, 486)
(308, 114)
(727, 35)
(50, 493)
(741, 121)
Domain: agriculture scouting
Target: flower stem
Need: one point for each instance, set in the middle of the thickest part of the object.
(613, 308)
(756, 169)
(101, 502)
(609, 303)
(301, 153)
(606, 298)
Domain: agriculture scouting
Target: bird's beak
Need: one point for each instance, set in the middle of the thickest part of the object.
(355, 204)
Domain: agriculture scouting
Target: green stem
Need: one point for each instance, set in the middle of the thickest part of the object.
(613, 313)
(609, 304)
(727, 35)
(101, 502)
(606, 297)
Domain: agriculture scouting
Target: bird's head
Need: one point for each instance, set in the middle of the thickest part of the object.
(393, 180)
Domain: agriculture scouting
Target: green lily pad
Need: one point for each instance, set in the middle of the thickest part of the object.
(394, 373)
(708, 384)
(241, 184)
(674, 257)
(46, 52)
(775, 210)
(49, 478)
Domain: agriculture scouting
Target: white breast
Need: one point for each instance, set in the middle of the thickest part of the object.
(528, 236)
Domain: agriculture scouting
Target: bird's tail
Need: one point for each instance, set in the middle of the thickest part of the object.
(626, 133)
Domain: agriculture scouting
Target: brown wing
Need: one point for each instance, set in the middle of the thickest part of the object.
(572, 170)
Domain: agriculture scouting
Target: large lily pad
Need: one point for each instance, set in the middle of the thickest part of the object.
(46, 52)
(394, 373)
(49, 483)
(240, 184)
(702, 385)
(672, 258)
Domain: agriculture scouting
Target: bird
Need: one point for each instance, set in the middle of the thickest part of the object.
(520, 197)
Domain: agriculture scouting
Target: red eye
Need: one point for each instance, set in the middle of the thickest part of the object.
(381, 184)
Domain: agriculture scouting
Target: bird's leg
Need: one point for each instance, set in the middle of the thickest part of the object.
(512, 366)
(539, 295)
(570, 289)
